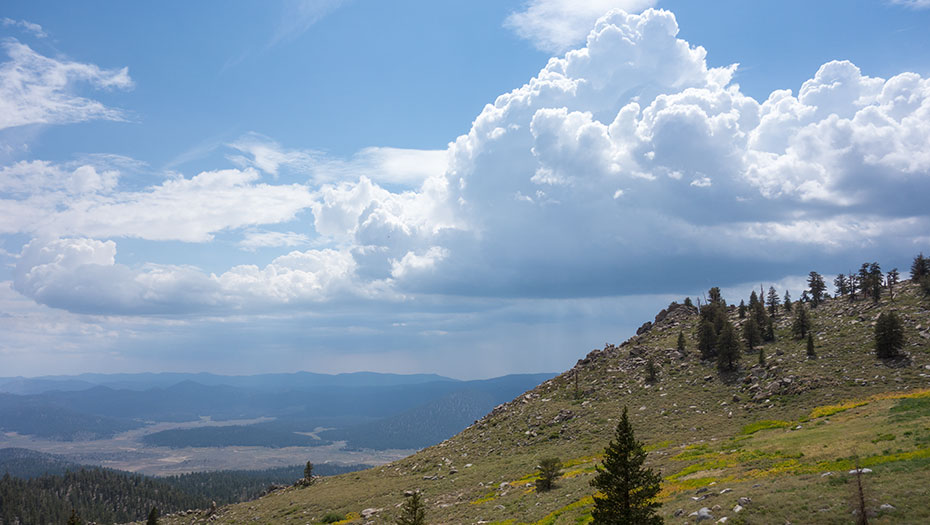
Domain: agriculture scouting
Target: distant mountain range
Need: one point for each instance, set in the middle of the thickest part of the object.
(266, 382)
(368, 410)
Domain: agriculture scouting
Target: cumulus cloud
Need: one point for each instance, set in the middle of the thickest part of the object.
(556, 25)
(625, 166)
(35, 89)
(632, 155)
(82, 275)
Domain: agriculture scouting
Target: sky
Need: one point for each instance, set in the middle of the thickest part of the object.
(465, 188)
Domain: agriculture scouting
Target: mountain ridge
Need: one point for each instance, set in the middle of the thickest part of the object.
(762, 438)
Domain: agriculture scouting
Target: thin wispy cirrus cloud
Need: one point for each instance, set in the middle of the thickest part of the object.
(296, 17)
(29, 27)
(914, 4)
(626, 166)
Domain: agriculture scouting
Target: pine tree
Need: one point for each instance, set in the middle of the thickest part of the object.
(753, 300)
(870, 280)
(308, 474)
(688, 302)
(768, 334)
(413, 512)
(920, 268)
(773, 301)
(852, 283)
(728, 348)
(742, 309)
(811, 354)
(889, 335)
(75, 519)
(891, 280)
(761, 357)
(681, 342)
(817, 288)
(707, 339)
(626, 490)
(651, 372)
(787, 302)
(751, 333)
(841, 284)
(550, 469)
(802, 322)
(153, 517)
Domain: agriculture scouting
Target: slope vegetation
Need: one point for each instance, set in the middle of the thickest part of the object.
(770, 443)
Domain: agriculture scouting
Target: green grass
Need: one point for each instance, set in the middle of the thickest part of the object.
(699, 436)
(752, 428)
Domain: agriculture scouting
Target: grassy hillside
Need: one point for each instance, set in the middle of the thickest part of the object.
(778, 440)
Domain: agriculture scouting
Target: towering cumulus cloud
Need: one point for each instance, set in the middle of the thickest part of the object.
(623, 166)
(631, 155)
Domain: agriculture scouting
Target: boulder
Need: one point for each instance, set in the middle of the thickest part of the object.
(704, 514)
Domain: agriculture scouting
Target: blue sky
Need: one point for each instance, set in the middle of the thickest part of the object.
(470, 188)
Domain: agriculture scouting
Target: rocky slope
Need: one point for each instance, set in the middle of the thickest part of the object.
(764, 444)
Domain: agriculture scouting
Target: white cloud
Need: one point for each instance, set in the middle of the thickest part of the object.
(269, 239)
(914, 4)
(556, 25)
(35, 89)
(399, 166)
(625, 166)
(32, 28)
(298, 16)
(50, 200)
(82, 275)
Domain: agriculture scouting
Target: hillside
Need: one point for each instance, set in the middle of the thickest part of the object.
(778, 440)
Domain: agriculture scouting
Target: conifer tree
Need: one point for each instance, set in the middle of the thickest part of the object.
(768, 334)
(707, 339)
(742, 309)
(891, 280)
(788, 304)
(811, 354)
(153, 517)
(413, 512)
(626, 489)
(841, 284)
(753, 300)
(889, 335)
(751, 333)
(688, 302)
(728, 348)
(681, 342)
(817, 288)
(75, 519)
(308, 474)
(761, 356)
(651, 373)
(920, 268)
(802, 322)
(773, 301)
(550, 469)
